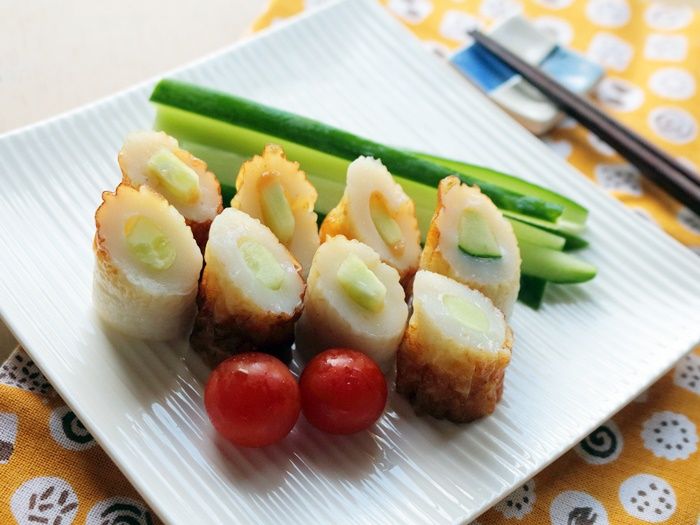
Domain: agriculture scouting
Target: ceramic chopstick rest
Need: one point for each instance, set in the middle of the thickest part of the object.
(510, 91)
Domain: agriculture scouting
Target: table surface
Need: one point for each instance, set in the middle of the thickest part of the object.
(55, 56)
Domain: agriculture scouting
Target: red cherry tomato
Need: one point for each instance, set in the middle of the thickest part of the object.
(252, 399)
(342, 391)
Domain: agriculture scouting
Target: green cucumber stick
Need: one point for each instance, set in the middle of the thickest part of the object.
(531, 291)
(567, 230)
(220, 136)
(533, 235)
(287, 127)
(554, 266)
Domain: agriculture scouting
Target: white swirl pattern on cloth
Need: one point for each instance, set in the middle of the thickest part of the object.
(68, 431)
(603, 445)
(119, 511)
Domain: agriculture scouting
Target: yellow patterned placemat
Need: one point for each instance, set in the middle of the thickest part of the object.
(51, 470)
(640, 467)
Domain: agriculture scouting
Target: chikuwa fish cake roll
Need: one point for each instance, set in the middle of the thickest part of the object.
(376, 211)
(251, 290)
(274, 190)
(353, 300)
(147, 265)
(453, 356)
(470, 241)
(154, 159)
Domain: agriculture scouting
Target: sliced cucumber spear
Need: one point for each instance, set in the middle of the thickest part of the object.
(526, 233)
(531, 291)
(289, 128)
(573, 241)
(475, 238)
(553, 265)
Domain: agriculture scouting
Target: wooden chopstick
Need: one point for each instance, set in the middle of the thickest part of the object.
(651, 161)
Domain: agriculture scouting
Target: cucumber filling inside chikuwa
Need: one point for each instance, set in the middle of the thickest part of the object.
(466, 312)
(180, 181)
(276, 211)
(147, 243)
(262, 263)
(361, 285)
(387, 228)
(475, 238)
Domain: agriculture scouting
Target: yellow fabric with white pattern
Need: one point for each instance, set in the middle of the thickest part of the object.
(51, 470)
(640, 467)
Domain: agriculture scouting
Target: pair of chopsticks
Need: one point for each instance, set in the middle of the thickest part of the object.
(679, 181)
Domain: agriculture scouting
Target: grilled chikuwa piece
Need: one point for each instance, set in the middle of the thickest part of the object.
(154, 159)
(470, 241)
(251, 290)
(147, 265)
(353, 300)
(277, 193)
(376, 211)
(453, 356)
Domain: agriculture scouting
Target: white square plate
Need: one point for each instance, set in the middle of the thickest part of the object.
(583, 356)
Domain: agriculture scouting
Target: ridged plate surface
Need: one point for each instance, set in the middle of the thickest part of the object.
(588, 352)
